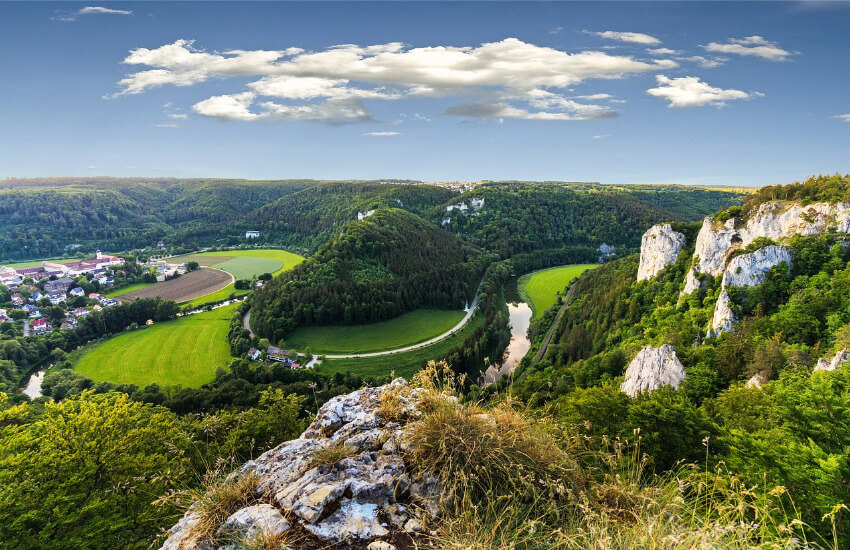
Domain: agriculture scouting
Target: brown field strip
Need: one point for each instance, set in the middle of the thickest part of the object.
(186, 287)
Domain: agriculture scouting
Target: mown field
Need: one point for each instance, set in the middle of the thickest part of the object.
(186, 351)
(405, 330)
(540, 289)
(402, 364)
(127, 289)
(245, 264)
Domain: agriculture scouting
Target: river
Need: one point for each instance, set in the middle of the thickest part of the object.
(33, 388)
(519, 320)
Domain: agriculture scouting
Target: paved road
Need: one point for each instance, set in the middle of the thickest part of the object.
(551, 333)
(26, 327)
(246, 322)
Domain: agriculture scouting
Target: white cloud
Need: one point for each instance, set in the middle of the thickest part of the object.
(690, 91)
(67, 17)
(594, 97)
(228, 107)
(167, 125)
(177, 116)
(556, 30)
(663, 51)
(751, 45)
(705, 62)
(845, 118)
(92, 10)
(601, 136)
(382, 134)
(335, 81)
(635, 37)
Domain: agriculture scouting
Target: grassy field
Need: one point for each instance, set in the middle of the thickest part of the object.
(185, 351)
(217, 296)
(540, 289)
(127, 289)
(33, 263)
(244, 264)
(402, 364)
(405, 330)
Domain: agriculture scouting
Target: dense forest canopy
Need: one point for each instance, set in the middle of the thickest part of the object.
(377, 268)
(832, 189)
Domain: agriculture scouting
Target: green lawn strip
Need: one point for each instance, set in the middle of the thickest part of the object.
(405, 330)
(217, 296)
(34, 263)
(186, 351)
(402, 364)
(540, 289)
(127, 289)
(248, 268)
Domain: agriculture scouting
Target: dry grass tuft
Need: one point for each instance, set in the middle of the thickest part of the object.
(266, 541)
(331, 454)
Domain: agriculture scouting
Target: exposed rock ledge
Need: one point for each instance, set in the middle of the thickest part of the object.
(773, 220)
(841, 357)
(744, 270)
(659, 247)
(359, 498)
(652, 368)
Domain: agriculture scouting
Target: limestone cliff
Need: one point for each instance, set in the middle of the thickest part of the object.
(744, 270)
(652, 368)
(367, 494)
(772, 220)
(659, 247)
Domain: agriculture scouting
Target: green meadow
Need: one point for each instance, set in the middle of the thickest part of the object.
(540, 289)
(245, 264)
(405, 330)
(185, 351)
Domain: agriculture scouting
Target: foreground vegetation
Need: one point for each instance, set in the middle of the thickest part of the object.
(186, 352)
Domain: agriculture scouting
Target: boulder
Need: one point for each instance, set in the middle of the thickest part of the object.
(659, 247)
(349, 500)
(652, 368)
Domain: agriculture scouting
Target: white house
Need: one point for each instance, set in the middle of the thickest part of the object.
(252, 234)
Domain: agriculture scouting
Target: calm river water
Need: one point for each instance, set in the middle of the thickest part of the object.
(520, 319)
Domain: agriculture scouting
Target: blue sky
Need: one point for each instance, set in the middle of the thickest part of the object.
(709, 93)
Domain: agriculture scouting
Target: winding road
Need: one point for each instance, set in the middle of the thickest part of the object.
(470, 311)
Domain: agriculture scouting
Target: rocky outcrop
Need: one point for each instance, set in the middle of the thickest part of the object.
(772, 220)
(744, 270)
(652, 368)
(365, 495)
(659, 247)
(841, 357)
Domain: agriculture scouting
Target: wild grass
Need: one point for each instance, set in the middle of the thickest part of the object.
(331, 454)
(514, 480)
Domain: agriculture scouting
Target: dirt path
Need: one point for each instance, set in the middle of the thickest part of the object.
(246, 323)
(551, 332)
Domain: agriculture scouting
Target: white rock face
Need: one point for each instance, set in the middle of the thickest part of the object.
(840, 358)
(652, 368)
(757, 381)
(744, 270)
(773, 220)
(659, 247)
(356, 498)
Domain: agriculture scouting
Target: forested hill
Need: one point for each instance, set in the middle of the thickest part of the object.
(515, 218)
(56, 216)
(45, 217)
(309, 218)
(377, 268)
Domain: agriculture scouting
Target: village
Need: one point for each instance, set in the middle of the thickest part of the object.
(54, 295)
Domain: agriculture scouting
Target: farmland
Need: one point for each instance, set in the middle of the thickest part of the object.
(245, 264)
(540, 289)
(410, 328)
(402, 364)
(186, 351)
(186, 287)
(127, 289)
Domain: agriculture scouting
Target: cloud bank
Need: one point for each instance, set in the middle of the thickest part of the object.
(505, 79)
